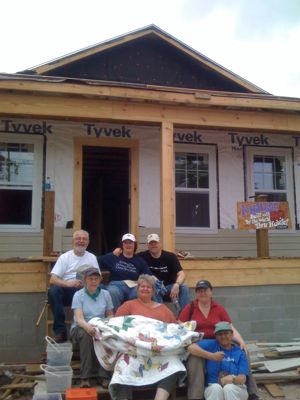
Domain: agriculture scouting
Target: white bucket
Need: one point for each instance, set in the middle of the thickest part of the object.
(58, 353)
(47, 396)
(58, 378)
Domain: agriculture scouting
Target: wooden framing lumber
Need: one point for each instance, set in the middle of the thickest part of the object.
(23, 277)
(48, 223)
(274, 390)
(32, 276)
(22, 385)
(56, 107)
(246, 271)
(155, 94)
(167, 202)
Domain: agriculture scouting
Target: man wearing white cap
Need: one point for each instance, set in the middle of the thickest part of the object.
(124, 269)
(166, 267)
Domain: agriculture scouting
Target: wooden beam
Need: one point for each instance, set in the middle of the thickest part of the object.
(246, 272)
(262, 235)
(49, 205)
(161, 95)
(134, 188)
(26, 277)
(77, 185)
(262, 242)
(274, 390)
(167, 202)
(65, 107)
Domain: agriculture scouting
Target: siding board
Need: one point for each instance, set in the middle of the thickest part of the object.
(225, 243)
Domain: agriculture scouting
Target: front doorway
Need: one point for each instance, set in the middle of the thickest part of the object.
(106, 190)
(105, 196)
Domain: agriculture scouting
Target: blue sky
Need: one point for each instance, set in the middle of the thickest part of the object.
(258, 39)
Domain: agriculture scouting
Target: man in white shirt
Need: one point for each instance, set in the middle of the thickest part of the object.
(63, 281)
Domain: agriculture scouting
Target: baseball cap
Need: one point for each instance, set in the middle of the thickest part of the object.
(153, 237)
(91, 271)
(223, 326)
(128, 236)
(203, 285)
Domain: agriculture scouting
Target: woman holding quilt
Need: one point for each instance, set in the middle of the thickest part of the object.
(144, 305)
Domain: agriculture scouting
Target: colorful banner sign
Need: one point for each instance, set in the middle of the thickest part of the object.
(263, 215)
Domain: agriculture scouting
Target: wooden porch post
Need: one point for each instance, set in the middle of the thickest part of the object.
(48, 223)
(167, 187)
(262, 235)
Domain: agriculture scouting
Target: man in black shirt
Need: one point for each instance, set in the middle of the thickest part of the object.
(166, 267)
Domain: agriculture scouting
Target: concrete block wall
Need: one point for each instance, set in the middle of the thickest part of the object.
(20, 339)
(264, 313)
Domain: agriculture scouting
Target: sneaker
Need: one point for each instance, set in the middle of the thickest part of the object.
(104, 382)
(253, 396)
(61, 337)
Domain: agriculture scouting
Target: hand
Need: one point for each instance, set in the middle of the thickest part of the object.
(243, 345)
(91, 330)
(76, 283)
(174, 291)
(225, 380)
(218, 356)
(117, 251)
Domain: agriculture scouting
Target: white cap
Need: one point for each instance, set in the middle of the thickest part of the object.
(128, 236)
(153, 237)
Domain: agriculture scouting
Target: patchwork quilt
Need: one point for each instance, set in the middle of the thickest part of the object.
(141, 351)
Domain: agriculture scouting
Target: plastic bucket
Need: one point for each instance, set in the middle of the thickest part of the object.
(58, 354)
(58, 378)
(47, 396)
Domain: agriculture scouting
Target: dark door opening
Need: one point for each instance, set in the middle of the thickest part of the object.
(105, 196)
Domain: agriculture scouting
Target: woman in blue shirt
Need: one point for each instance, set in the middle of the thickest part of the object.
(88, 303)
(125, 270)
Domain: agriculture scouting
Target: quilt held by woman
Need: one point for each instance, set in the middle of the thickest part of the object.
(140, 350)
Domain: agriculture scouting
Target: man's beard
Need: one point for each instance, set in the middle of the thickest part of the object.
(79, 249)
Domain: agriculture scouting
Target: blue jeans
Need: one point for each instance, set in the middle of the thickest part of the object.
(120, 292)
(183, 298)
(60, 297)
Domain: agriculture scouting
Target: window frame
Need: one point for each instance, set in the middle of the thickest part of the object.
(212, 190)
(37, 182)
(287, 152)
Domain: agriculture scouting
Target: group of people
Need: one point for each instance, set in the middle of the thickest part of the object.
(138, 285)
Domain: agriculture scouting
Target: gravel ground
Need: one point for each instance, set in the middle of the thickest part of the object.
(290, 390)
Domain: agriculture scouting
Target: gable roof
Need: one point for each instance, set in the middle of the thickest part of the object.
(112, 60)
